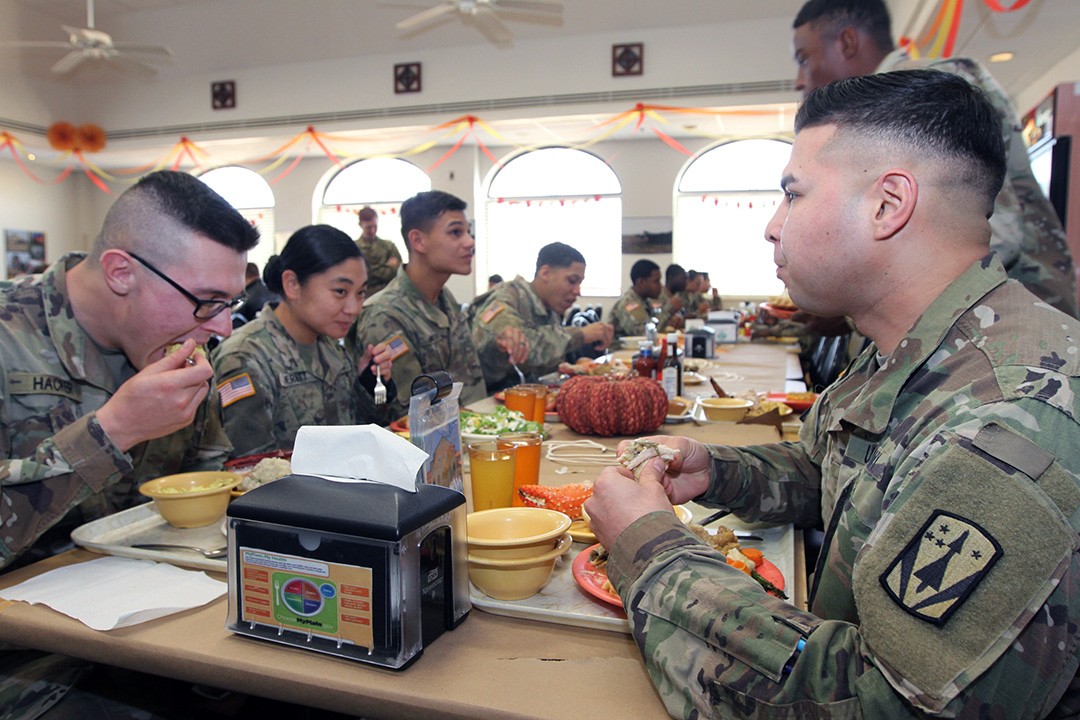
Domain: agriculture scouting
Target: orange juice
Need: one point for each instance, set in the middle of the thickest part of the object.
(491, 469)
(527, 462)
(522, 399)
(539, 401)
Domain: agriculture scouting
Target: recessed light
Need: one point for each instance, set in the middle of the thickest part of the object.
(1001, 57)
(31, 157)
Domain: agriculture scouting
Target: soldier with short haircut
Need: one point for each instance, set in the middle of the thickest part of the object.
(636, 306)
(536, 308)
(942, 465)
(382, 256)
(102, 387)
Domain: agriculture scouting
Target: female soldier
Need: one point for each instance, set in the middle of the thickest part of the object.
(288, 367)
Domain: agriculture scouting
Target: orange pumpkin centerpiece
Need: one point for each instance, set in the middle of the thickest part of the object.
(607, 405)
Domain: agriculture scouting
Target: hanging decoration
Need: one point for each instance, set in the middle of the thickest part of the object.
(938, 41)
(996, 5)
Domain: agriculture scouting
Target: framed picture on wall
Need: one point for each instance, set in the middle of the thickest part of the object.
(25, 252)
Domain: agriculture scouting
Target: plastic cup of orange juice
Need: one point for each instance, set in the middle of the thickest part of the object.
(539, 401)
(523, 399)
(527, 462)
(491, 470)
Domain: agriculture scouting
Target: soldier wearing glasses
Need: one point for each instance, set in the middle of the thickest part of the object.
(92, 401)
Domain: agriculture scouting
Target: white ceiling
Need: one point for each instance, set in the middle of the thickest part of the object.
(238, 34)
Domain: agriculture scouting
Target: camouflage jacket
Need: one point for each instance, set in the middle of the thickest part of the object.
(631, 312)
(516, 304)
(270, 391)
(948, 583)
(377, 254)
(423, 338)
(1026, 232)
(57, 460)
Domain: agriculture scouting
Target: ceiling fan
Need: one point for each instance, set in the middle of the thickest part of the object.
(484, 15)
(89, 43)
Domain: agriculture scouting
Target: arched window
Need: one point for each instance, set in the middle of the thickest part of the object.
(545, 195)
(382, 183)
(251, 195)
(724, 197)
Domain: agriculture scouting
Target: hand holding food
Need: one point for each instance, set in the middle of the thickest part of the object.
(157, 400)
(688, 472)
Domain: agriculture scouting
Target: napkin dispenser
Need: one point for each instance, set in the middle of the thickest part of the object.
(725, 326)
(701, 342)
(364, 571)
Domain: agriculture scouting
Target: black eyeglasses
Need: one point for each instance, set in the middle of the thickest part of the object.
(204, 309)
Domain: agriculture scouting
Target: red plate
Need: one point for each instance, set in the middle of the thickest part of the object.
(401, 425)
(781, 313)
(796, 405)
(592, 579)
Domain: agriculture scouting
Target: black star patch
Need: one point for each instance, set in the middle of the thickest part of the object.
(932, 576)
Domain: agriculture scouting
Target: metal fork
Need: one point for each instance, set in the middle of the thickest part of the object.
(521, 375)
(380, 389)
(215, 553)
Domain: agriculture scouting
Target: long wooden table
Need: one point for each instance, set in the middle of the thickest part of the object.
(490, 666)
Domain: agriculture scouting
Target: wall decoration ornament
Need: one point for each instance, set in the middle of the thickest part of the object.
(407, 78)
(627, 59)
(223, 94)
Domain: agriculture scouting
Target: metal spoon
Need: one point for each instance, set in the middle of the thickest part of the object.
(217, 553)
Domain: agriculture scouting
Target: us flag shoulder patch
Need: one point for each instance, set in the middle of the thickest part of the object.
(631, 307)
(397, 347)
(940, 567)
(493, 310)
(235, 388)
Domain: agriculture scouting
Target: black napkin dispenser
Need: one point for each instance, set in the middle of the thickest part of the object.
(360, 570)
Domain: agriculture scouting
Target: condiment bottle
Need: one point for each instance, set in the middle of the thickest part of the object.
(645, 365)
(671, 372)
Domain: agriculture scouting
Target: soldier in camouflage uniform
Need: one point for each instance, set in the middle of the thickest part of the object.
(943, 465)
(382, 256)
(536, 308)
(635, 307)
(417, 316)
(288, 368)
(94, 398)
(836, 39)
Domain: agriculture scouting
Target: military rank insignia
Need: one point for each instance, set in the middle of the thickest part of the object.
(940, 567)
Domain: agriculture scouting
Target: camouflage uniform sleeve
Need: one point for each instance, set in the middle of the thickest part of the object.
(248, 421)
(376, 325)
(35, 492)
(548, 344)
(629, 318)
(379, 271)
(210, 446)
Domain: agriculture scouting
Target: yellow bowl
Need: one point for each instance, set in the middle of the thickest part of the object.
(191, 499)
(681, 511)
(729, 409)
(514, 532)
(515, 578)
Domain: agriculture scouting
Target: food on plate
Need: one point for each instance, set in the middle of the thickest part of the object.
(212, 485)
(266, 470)
(677, 406)
(498, 421)
(588, 366)
(763, 406)
(566, 499)
(802, 397)
(782, 302)
(640, 451)
(745, 559)
(694, 365)
(612, 405)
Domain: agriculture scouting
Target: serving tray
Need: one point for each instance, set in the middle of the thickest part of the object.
(115, 534)
(564, 602)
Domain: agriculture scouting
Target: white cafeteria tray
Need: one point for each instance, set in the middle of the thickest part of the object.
(564, 602)
(116, 533)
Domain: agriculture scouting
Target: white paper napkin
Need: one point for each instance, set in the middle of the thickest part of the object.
(114, 592)
(354, 453)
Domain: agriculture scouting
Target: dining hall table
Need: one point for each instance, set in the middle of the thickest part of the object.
(493, 665)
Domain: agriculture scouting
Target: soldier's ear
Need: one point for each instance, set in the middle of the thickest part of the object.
(118, 271)
(290, 284)
(416, 240)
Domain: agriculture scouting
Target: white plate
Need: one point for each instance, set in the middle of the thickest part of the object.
(691, 378)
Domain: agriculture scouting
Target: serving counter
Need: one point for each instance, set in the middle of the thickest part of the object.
(491, 666)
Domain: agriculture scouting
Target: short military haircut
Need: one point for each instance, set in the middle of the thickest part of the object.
(558, 255)
(367, 213)
(642, 269)
(496, 278)
(422, 210)
(944, 117)
(182, 198)
(868, 16)
(673, 271)
(692, 274)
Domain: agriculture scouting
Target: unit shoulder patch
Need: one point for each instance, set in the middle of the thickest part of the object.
(941, 565)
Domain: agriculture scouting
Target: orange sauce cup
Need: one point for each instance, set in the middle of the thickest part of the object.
(527, 462)
(491, 470)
